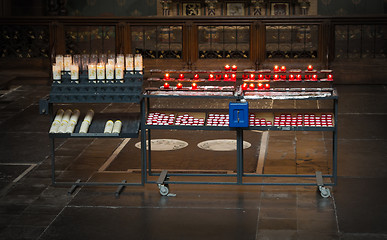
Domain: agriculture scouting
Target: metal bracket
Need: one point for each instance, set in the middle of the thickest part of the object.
(164, 188)
(324, 192)
(73, 187)
(119, 189)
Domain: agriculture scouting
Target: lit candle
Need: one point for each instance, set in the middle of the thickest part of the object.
(167, 76)
(166, 85)
(276, 68)
(179, 86)
(260, 86)
(276, 77)
(234, 67)
(109, 71)
(226, 77)
(181, 76)
(129, 62)
(291, 77)
(56, 71)
(299, 77)
(138, 63)
(227, 67)
(59, 61)
(196, 76)
(252, 76)
(119, 71)
(194, 86)
(251, 86)
(233, 77)
(74, 72)
(211, 76)
(100, 71)
(330, 77)
(92, 70)
(244, 86)
(314, 77)
(67, 62)
(283, 68)
(267, 86)
(310, 68)
(260, 76)
(121, 59)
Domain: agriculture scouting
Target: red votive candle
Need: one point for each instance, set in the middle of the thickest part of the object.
(181, 76)
(227, 67)
(267, 86)
(291, 77)
(211, 76)
(330, 77)
(244, 86)
(233, 77)
(196, 76)
(251, 86)
(276, 68)
(179, 86)
(252, 76)
(260, 76)
(167, 76)
(226, 77)
(310, 68)
(299, 77)
(314, 77)
(194, 86)
(283, 68)
(276, 77)
(166, 85)
(260, 86)
(234, 67)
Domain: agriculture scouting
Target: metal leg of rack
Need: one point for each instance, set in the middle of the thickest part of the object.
(52, 161)
(239, 132)
(334, 143)
(73, 187)
(143, 145)
(119, 189)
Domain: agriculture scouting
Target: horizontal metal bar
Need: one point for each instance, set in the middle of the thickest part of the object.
(197, 174)
(283, 175)
(98, 184)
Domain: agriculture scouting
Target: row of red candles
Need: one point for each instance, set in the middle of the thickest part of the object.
(233, 77)
(244, 86)
(276, 68)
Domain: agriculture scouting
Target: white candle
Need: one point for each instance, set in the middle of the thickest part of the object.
(56, 71)
(138, 62)
(57, 120)
(129, 62)
(59, 61)
(73, 121)
(120, 59)
(92, 71)
(119, 72)
(67, 62)
(74, 72)
(100, 71)
(117, 126)
(111, 61)
(65, 121)
(108, 127)
(86, 121)
(109, 71)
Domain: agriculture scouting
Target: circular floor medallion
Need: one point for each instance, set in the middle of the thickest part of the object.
(221, 145)
(165, 144)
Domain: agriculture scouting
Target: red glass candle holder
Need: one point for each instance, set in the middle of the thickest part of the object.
(166, 85)
(181, 76)
(211, 77)
(196, 76)
(167, 76)
(314, 77)
(276, 68)
(330, 77)
(234, 67)
(227, 67)
(233, 77)
(283, 69)
(226, 77)
(283, 77)
(194, 86)
(179, 85)
(244, 86)
(252, 86)
(260, 77)
(267, 77)
(310, 68)
(299, 77)
(260, 86)
(252, 76)
(276, 77)
(267, 86)
(291, 77)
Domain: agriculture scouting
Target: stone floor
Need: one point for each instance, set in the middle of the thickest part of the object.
(31, 208)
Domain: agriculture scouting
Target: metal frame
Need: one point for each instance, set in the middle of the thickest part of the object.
(146, 153)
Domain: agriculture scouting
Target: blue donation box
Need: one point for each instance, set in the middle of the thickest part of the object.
(239, 114)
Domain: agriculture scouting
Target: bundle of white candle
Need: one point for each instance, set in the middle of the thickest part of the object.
(65, 121)
(87, 121)
(73, 121)
(111, 127)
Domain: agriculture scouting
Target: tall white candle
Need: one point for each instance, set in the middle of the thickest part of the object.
(56, 71)
(129, 62)
(57, 120)
(109, 71)
(59, 61)
(120, 59)
(138, 62)
(67, 62)
(86, 121)
(92, 72)
(119, 72)
(73, 121)
(100, 71)
(74, 72)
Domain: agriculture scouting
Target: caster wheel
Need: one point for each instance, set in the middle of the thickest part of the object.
(164, 190)
(324, 192)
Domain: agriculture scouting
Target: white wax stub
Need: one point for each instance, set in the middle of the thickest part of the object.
(57, 120)
(84, 127)
(117, 126)
(108, 127)
(65, 121)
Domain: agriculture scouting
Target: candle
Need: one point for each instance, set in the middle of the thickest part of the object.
(179, 86)
(138, 62)
(117, 126)
(194, 86)
(218, 77)
(283, 68)
(109, 71)
(121, 59)
(181, 76)
(100, 71)
(276, 68)
(233, 77)
(276, 77)
(59, 61)
(283, 77)
(260, 86)
(196, 76)
(267, 77)
(92, 70)
(226, 77)
(129, 62)
(211, 76)
(310, 68)
(314, 77)
(234, 67)
(251, 86)
(244, 86)
(74, 72)
(298, 77)
(56, 71)
(291, 77)
(330, 77)
(167, 76)
(166, 85)
(67, 62)
(267, 86)
(260, 76)
(252, 76)
(227, 67)
(119, 71)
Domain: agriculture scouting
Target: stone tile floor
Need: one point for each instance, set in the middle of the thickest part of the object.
(31, 208)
